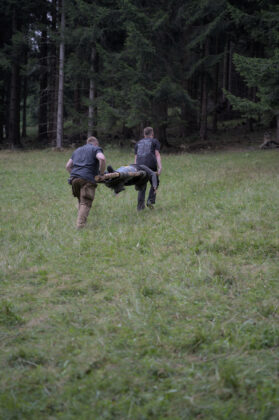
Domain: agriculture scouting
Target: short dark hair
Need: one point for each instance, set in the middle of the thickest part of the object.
(148, 131)
(93, 140)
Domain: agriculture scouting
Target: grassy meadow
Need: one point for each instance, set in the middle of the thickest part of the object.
(164, 314)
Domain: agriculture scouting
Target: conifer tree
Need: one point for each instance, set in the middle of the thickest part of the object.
(133, 63)
(43, 75)
(260, 73)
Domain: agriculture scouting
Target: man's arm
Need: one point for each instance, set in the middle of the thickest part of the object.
(136, 152)
(159, 163)
(102, 162)
(69, 165)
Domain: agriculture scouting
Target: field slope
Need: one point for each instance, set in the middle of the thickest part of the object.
(166, 314)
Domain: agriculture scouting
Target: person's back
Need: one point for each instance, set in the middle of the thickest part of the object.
(85, 163)
(145, 151)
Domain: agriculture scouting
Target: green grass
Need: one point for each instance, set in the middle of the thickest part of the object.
(165, 314)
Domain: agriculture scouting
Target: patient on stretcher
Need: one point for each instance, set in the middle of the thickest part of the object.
(137, 175)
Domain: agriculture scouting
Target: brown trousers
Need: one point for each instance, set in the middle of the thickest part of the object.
(85, 192)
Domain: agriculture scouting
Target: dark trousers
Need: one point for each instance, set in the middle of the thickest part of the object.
(151, 196)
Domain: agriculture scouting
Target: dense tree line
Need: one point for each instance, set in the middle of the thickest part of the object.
(114, 66)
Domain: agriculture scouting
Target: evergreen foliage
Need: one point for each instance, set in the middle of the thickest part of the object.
(263, 74)
(260, 73)
(133, 62)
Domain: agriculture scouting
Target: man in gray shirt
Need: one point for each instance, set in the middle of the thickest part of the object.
(147, 152)
(86, 162)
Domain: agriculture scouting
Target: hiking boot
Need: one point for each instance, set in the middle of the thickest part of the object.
(110, 169)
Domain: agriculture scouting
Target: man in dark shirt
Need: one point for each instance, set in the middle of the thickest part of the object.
(86, 162)
(147, 152)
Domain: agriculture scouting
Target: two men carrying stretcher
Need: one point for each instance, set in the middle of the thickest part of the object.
(88, 161)
(146, 168)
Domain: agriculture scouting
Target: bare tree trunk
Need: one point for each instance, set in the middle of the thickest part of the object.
(43, 126)
(204, 96)
(14, 108)
(24, 99)
(23, 131)
(14, 114)
(230, 52)
(7, 109)
(91, 95)
(203, 124)
(54, 98)
(277, 127)
(200, 85)
(53, 85)
(250, 121)
(230, 66)
(4, 89)
(77, 105)
(215, 114)
(225, 70)
(59, 131)
(216, 92)
(161, 109)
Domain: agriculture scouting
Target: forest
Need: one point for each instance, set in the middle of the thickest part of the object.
(72, 68)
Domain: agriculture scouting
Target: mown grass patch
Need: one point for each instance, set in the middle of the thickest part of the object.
(171, 313)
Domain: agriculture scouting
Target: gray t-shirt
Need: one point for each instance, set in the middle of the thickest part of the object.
(85, 163)
(145, 151)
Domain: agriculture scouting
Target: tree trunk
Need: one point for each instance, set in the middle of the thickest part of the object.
(14, 114)
(215, 114)
(53, 85)
(14, 108)
(277, 127)
(77, 104)
(230, 66)
(162, 134)
(23, 132)
(230, 52)
(204, 97)
(77, 110)
(43, 123)
(160, 127)
(91, 95)
(59, 131)
(203, 123)
(225, 71)
(7, 108)
(2, 111)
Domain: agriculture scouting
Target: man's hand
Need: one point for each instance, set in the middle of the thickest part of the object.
(159, 163)
(99, 178)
